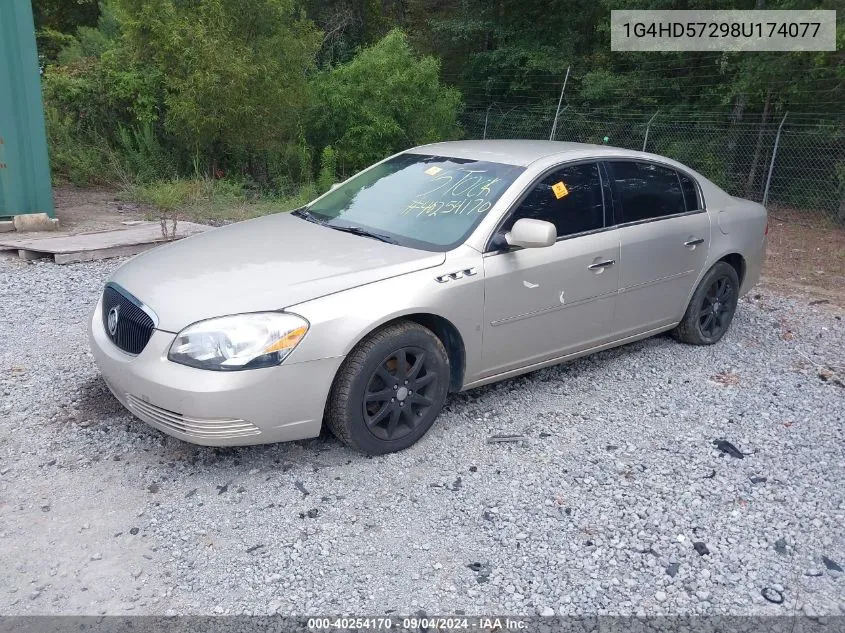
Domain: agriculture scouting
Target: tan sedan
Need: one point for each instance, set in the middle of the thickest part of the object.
(439, 269)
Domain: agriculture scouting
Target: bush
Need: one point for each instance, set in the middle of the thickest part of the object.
(386, 99)
(50, 44)
(142, 156)
(80, 157)
(233, 73)
(706, 158)
(75, 90)
(211, 200)
(328, 170)
(174, 98)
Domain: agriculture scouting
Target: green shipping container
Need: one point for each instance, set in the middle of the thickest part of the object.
(24, 164)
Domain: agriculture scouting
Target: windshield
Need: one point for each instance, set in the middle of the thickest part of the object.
(427, 202)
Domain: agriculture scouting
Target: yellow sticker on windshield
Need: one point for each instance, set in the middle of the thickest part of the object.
(560, 190)
(433, 170)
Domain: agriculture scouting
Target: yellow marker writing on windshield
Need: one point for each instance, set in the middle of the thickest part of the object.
(560, 190)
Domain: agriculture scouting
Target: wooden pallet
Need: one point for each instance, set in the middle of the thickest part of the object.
(84, 247)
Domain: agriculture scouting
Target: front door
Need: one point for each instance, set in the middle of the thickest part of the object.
(542, 303)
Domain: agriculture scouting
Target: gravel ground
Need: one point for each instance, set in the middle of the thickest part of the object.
(617, 501)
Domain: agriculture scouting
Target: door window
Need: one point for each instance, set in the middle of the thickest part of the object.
(570, 198)
(646, 191)
(690, 193)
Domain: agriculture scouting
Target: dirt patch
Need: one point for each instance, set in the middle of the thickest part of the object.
(805, 257)
(89, 210)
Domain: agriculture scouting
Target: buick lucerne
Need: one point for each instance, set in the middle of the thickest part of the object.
(436, 270)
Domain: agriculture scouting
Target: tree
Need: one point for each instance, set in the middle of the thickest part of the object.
(384, 100)
(234, 74)
(64, 16)
(347, 25)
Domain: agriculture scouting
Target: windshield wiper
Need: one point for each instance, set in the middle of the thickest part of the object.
(305, 214)
(357, 230)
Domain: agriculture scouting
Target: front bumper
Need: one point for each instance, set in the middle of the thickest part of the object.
(259, 406)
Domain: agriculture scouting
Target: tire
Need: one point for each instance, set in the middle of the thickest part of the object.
(379, 402)
(712, 307)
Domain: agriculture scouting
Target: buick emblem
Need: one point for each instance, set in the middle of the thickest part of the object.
(114, 315)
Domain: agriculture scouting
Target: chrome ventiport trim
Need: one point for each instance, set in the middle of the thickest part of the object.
(204, 428)
(459, 274)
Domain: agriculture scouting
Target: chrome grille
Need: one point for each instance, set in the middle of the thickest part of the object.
(134, 324)
(222, 428)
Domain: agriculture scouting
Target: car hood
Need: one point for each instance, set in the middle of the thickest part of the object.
(264, 264)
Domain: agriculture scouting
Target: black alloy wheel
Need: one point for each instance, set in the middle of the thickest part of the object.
(711, 308)
(717, 308)
(389, 389)
(399, 394)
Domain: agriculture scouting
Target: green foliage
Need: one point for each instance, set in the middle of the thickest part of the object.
(173, 86)
(708, 160)
(142, 154)
(212, 200)
(134, 91)
(603, 86)
(223, 101)
(346, 26)
(233, 74)
(80, 119)
(64, 16)
(89, 42)
(51, 42)
(386, 99)
(509, 46)
(80, 157)
(179, 193)
(328, 170)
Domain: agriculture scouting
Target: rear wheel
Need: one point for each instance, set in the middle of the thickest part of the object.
(389, 389)
(711, 308)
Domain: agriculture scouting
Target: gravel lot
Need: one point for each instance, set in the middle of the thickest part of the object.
(606, 507)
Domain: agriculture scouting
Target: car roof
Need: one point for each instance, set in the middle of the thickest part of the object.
(525, 152)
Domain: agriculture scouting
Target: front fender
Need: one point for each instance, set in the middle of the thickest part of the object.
(340, 321)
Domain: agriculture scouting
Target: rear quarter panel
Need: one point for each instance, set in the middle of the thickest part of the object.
(738, 226)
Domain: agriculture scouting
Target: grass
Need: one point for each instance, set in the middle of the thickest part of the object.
(211, 201)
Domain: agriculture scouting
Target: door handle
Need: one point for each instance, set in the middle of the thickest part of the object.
(694, 242)
(604, 264)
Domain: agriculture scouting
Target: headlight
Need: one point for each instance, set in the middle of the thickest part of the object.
(242, 341)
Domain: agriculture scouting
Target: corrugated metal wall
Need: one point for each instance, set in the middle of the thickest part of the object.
(24, 164)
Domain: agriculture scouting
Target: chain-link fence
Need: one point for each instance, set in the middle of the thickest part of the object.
(795, 166)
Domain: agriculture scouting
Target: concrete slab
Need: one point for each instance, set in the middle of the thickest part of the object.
(83, 247)
(30, 255)
(35, 222)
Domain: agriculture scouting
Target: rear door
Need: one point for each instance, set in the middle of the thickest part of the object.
(542, 303)
(664, 234)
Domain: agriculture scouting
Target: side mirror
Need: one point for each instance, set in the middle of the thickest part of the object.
(530, 233)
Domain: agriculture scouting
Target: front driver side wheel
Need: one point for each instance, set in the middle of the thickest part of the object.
(389, 389)
(711, 308)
